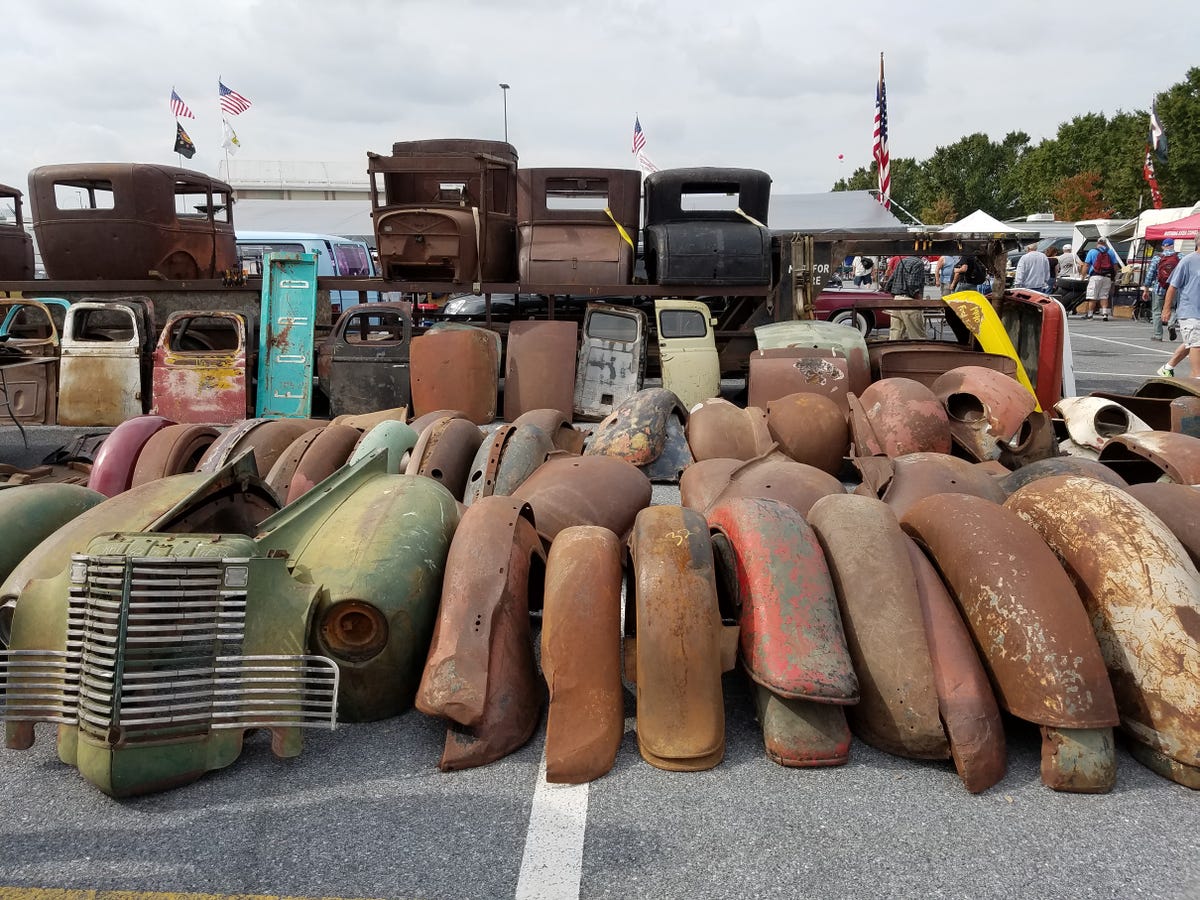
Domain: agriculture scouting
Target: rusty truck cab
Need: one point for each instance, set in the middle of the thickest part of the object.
(16, 244)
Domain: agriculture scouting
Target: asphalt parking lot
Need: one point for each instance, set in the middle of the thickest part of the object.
(364, 811)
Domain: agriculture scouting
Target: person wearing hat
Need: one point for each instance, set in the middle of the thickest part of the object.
(1068, 264)
(1101, 266)
(1154, 286)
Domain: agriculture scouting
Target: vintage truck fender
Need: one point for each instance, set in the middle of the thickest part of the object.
(966, 702)
(266, 438)
(986, 408)
(112, 472)
(1034, 441)
(173, 450)
(1032, 631)
(585, 490)
(31, 513)
(772, 476)
(881, 612)
(480, 674)
(677, 646)
(718, 429)
(1092, 421)
(1142, 592)
(791, 642)
(563, 434)
(647, 430)
(444, 452)
(326, 454)
(905, 416)
(1178, 505)
(810, 429)
(365, 422)
(1060, 465)
(902, 481)
(505, 459)
(284, 470)
(376, 545)
(396, 438)
(581, 657)
(1154, 456)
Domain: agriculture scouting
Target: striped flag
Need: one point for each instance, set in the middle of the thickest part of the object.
(179, 108)
(1158, 136)
(639, 139)
(231, 101)
(880, 152)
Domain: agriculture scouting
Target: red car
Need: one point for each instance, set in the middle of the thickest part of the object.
(841, 305)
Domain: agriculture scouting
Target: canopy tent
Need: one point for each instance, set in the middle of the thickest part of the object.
(980, 222)
(1185, 228)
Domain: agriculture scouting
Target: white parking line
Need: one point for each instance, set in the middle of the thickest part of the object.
(552, 863)
(1104, 340)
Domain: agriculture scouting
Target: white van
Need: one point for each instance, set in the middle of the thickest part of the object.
(335, 256)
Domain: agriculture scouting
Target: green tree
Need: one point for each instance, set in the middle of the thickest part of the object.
(940, 212)
(1179, 111)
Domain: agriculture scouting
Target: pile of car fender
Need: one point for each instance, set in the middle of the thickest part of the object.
(901, 569)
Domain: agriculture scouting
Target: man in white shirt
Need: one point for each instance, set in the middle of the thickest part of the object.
(1033, 271)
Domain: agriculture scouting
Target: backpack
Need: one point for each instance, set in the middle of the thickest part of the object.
(867, 263)
(1166, 266)
(976, 271)
(1102, 264)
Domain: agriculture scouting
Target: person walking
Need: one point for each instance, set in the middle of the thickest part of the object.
(1154, 286)
(945, 268)
(1100, 266)
(1033, 271)
(969, 274)
(907, 279)
(1183, 293)
(864, 266)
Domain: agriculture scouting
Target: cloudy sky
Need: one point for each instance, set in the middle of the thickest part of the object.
(781, 85)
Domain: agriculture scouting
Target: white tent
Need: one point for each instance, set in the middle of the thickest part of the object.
(980, 222)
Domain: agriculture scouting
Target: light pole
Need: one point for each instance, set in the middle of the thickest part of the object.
(504, 94)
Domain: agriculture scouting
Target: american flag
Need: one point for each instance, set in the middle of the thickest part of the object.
(880, 151)
(179, 108)
(639, 139)
(231, 101)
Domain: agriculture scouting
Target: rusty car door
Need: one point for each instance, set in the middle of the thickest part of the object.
(285, 354)
(200, 368)
(612, 359)
(100, 370)
(687, 350)
(368, 365)
(29, 359)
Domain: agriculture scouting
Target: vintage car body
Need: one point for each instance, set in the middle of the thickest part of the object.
(33, 512)
(790, 370)
(324, 455)
(902, 481)
(364, 363)
(1060, 465)
(612, 359)
(1142, 593)
(540, 369)
(691, 239)
(31, 378)
(456, 368)
(204, 379)
(131, 221)
(791, 641)
(687, 350)
(16, 244)
(481, 675)
(577, 226)
(101, 367)
(446, 210)
(1092, 421)
(286, 332)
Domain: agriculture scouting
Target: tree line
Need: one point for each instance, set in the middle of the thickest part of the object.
(1091, 169)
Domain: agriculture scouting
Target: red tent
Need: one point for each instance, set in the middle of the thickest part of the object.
(1186, 227)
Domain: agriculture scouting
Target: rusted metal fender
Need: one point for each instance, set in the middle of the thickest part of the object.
(985, 407)
(906, 417)
(1178, 505)
(1185, 416)
(563, 434)
(392, 436)
(885, 630)
(508, 456)
(172, 451)
(810, 429)
(647, 430)
(1150, 455)
(581, 658)
(444, 452)
(1060, 465)
(480, 673)
(772, 476)
(1091, 421)
(791, 639)
(326, 454)
(1035, 441)
(678, 643)
(1142, 593)
(718, 429)
(585, 490)
(918, 475)
(966, 702)
(420, 423)
(267, 438)
(367, 421)
(31, 513)
(778, 373)
(112, 472)
(456, 369)
(281, 474)
(1021, 608)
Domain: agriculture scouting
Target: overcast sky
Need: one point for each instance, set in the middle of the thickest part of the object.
(780, 85)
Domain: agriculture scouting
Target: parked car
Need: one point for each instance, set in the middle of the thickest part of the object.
(839, 305)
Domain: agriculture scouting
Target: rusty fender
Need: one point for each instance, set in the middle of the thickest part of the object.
(284, 469)
(1035, 441)
(172, 451)
(392, 436)
(905, 417)
(718, 429)
(112, 472)
(1178, 505)
(647, 430)
(267, 438)
(792, 645)
(31, 513)
(367, 421)
(774, 374)
(1142, 592)
(1060, 465)
(326, 454)
(1033, 633)
(420, 423)
(810, 429)
(986, 408)
(881, 612)
(918, 475)
(585, 490)
(772, 476)
(507, 456)
(481, 675)
(563, 434)
(678, 646)
(966, 702)
(581, 654)
(1092, 421)
(1149, 455)
(444, 452)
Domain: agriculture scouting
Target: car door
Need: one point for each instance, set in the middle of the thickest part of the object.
(687, 348)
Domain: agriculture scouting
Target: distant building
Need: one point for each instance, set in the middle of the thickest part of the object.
(266, 179)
